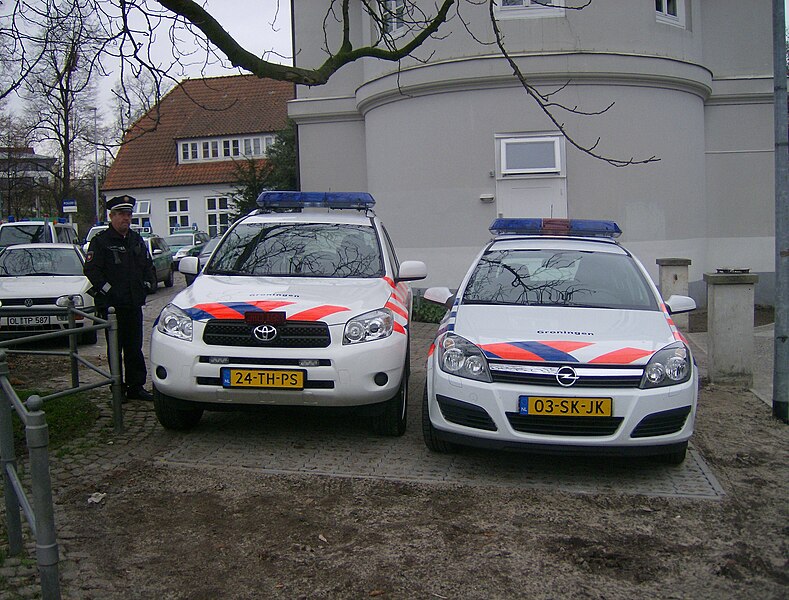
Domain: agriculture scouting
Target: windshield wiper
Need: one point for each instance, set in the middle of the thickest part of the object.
(224, 272)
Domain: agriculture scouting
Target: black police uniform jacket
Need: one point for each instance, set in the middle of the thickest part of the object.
(119, 267)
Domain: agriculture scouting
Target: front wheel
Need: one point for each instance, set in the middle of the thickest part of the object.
(677, 457)
(392, 421)
(432, 441)
(172, 416)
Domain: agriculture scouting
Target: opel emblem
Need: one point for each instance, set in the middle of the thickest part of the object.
(28, 302)
(265, 333)
(566, 376)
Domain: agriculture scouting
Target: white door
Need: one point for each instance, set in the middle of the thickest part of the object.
(539, 197)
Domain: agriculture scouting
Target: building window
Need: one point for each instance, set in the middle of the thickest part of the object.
(394, 16)
(178, 213)
(218, 212)
(671, 12)
(189, 151)
(529, 9)
(530, 155)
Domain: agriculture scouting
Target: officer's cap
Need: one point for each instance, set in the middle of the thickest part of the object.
(121, 203)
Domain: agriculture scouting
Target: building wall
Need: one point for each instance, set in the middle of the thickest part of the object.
(701, 106)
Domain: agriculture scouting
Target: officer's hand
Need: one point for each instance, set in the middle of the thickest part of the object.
(148, 287)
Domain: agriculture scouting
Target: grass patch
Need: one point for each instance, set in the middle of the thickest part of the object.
(68, 417)
(425, 311)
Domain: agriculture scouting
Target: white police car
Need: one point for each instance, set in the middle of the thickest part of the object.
(558, 341)
(303, 302)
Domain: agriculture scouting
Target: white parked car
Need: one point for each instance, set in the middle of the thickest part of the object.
(303, 302)
(35, 278)
(558, 341)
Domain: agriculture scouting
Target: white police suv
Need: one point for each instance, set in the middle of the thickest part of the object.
(303, 302)
(558, 341)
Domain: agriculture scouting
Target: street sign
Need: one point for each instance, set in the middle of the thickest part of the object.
(69, 205)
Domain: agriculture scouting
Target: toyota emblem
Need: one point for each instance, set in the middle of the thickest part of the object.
(566, 376)
(265, 333)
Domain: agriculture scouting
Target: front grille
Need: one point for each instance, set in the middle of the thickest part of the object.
(463, 413)
(313, 384)
(662, 423)
(36, 301)
(589, 376)
(292, 334)
(279, 362)
(569, 426)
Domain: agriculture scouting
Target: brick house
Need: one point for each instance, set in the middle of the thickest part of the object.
(183, 170)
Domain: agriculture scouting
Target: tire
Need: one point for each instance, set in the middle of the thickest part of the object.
(393, 420)
(674, 458)
(433, 443)
(169, 281)
(174, 417)
(189, 279)
(88, 338)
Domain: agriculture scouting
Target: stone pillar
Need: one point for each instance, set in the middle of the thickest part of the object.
(673, 279)
(730, 326)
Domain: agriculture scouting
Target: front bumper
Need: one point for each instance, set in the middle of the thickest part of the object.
(337, 375)
(644, 422)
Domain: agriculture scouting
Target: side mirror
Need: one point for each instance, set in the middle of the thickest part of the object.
(412, 270)
(440, 295)
(189, 265)
(157, 252)
(680, 304)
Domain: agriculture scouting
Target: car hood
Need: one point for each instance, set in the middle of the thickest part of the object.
(332, 301)
(556, 334)
(43, 286)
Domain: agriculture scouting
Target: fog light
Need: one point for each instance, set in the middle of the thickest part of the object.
(381, 379)
(161, 372)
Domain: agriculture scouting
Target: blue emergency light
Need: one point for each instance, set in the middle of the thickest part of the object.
(577, 227)
(353, 200)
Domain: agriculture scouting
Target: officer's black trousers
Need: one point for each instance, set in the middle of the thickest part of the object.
(130, 345)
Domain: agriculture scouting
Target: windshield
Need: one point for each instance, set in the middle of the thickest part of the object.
(94, 231)
(24, 234)
(180, 240)
(301, 250)
(558, 278)
(16, 262)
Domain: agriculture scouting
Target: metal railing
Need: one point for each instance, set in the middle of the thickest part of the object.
(40, 514)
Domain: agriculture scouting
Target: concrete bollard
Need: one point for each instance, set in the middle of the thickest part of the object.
(730, 345)
(673, 279)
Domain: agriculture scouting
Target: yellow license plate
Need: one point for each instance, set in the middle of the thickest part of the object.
(566, 407)
(262, 378)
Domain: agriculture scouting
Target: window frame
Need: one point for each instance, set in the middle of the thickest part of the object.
(529, 9)
(557, 142)
(662, 14)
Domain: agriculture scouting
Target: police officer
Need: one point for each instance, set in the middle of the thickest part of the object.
(121, 271)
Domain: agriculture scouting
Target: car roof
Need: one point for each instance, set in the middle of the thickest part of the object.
(537, 242)
(46, 245)
(345, 217)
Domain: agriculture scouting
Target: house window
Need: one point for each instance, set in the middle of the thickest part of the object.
(189, 151)
(394, 12)
(528, 155)
(671, 12)
(218, 212)
(529, 9)
(178, 213)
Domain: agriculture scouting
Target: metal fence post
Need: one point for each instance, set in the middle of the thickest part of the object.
(37, 433)
(113, 355)
(8, 461)
(72, 344)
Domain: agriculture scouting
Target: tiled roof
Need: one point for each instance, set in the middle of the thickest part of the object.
(197, 108)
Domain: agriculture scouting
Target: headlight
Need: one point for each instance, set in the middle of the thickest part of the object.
(175, 323)
(458, 356)
(374, 325)
(63, 301)
(669, 366)
(181, 253)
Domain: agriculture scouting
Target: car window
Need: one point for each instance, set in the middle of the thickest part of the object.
(558, 278)
(24, 234)
(39, 261)
(184, 239)
(301, 250)
(66, 235)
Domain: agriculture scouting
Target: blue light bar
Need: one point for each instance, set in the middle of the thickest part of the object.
(576, 227)
(355, 200)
